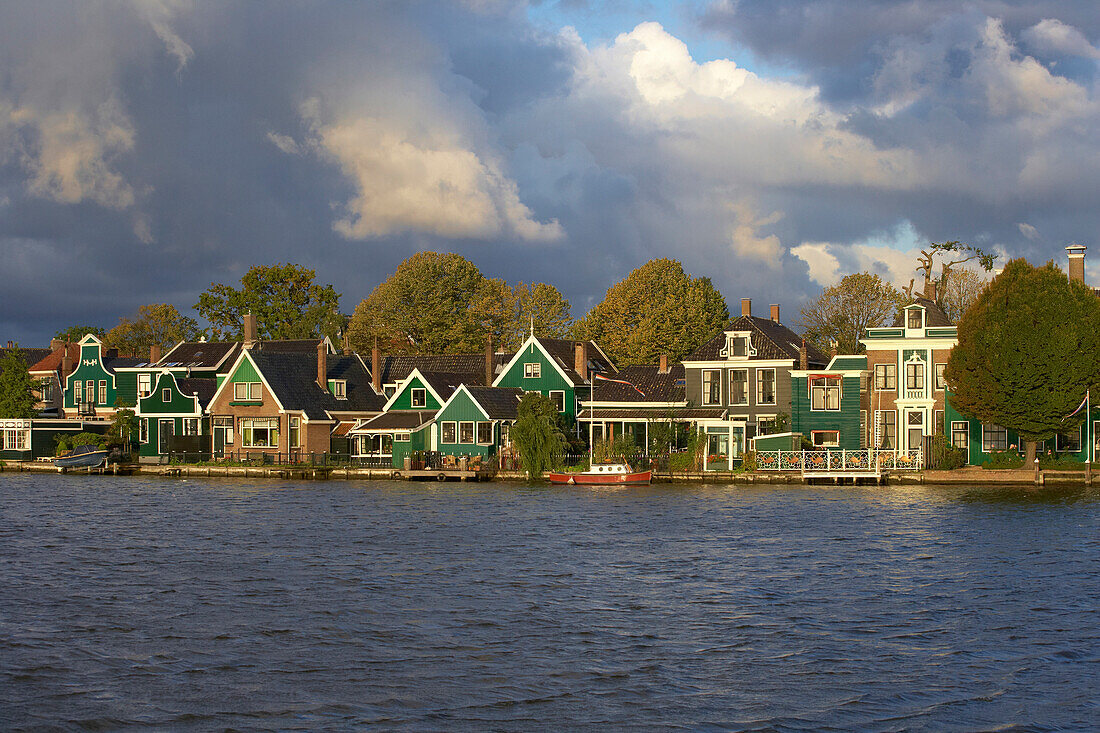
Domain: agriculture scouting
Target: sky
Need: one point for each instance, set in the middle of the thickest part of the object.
(149, 148)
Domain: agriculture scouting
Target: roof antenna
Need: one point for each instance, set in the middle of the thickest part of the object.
(532, 326)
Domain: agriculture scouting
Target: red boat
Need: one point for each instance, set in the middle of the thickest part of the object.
(604, 474)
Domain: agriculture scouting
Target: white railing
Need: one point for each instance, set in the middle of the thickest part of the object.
(870, 460)
(914, 394)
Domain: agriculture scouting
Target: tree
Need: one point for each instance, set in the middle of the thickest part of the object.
(657, 309)
(962, 289)
(1028, 351)
(158, 323)
(286, 301)
(927, 260)
(544, 307)
(73, 334)
(124, 426)
(17, 399)
(843, 312)
(537, 434)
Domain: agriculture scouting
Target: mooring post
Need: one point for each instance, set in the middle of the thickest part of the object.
(1037, 477)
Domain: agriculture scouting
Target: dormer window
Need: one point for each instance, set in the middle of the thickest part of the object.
(738, 346)
(915, 318)
(340, 389)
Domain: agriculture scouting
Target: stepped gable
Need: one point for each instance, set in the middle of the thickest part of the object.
(471, 366)
(501, 403)
(658, 387)
(293, 378)
(204, 389)
(934, 317)
(30, 356)
(563, 351)
(201, 354)
(770, 339)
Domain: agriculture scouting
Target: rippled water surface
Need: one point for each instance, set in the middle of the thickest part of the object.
(130, 602)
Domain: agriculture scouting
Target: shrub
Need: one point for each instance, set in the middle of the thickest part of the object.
(1002, 459)
(946, 457)
(1063, 462)
(748, 461)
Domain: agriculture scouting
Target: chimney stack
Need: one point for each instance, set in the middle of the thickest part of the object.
(1076, 254)
(248, 325)
(489, 361)
(347, 345)
(322, 365)
(580, 359)
(803, 357)
(663, 368)
(775, 312)
(154, 353)
(746, 306)
(376, 366)
(11, 344)
(56, 344)
(66, 363)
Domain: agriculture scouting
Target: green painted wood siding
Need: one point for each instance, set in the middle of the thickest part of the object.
(178, 403)
(549, 379)
(846, 420)
(464, 409)
(417, 441)
(245, 372)
(403, 399)
(90, 368)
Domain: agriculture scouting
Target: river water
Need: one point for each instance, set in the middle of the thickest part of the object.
(211, 604)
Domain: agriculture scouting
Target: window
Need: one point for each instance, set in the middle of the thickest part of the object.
(466, 432)
(246, 391)
(419, 397)
(143, 430)
(485, 433)
(294, 431)
(960, 434)
(765, 386)
(1069, 441)
(712, 387)
(260, 432)
(886, 377)
(190, 426)
(941, 378)
(145, 385)
(915, 318)
(886, 435)
(532, 370)
(401, 438)
(47, 390)
(739, 386)
(77, 392)
(225, 424)
(17, 439)
(765, 424)
(166, 395)
(994, 437)
(449, 432)
(937, 424)
(914, 375)
(825, 438)
(89, 391)
(824, 393)
(557, 396)
(340, 389)
(103, 391)
(737, 345)
(389, 390)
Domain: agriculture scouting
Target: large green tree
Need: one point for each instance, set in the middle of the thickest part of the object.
(538, 434)
(286, 301)
(543, 307)
(17, 398)
(157, 323)
(657, 309)
(844, 311)
(1028, 351)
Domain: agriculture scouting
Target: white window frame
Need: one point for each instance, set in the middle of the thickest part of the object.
(487, 426)
(248, 427)
(190, 426)
(703, 381)
(145, 385)
(423, 401)
(558, 403)
(760, 387)
(960, 428)
(451, 427)
(89, 391)
(825, 386)
(18, 439)
(102, 392)
(941, 376)
(143, 430)
(340, 389)
(226, 426)
(989, 434)
(909, 313)
(462, 426)
(744, 392)
(166, 395)
(402, 437)
(1058, 446)
(889, 374)
(886, 422)
(532, 370)
(817, 437)
(915, 378)
(251, 392)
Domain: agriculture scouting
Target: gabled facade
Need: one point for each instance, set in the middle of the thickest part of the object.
(475, 420)
(829, 406)
(906, 363)
(50, 374)
(90, 390)
(556, 368)
(174, 407)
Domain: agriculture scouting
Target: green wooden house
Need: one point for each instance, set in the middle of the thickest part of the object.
(556, 368)
(175, 406)
(90, 390)
(475, 420)
(27, 440)
(829, 406)
(981, 440)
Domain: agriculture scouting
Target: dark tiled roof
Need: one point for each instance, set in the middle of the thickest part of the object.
(668, 387)
(204, 389)
(30, 356)
(500, 403)
(288, 346)
(630, 413)
(770, 339)
(563, 351)
(201, 354)
(470, 366)
(445, 383)
(293, 378)
(110, 363)
(934, 317)
(397, 420)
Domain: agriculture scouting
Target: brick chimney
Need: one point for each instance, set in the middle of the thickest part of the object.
(490, 363)
(376, 366)
(1076, 254)
(746, 306)
(663, 368)
(56, 344)
(580, 359)
(248, 326)
(154, 353)
(775, 312)
(347, 345)
(322, 365)
(66, 363)
(803, 357)
(11, 344)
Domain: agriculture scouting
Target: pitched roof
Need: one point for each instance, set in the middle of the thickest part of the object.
(30, 356)
(52, 361)
(444, 383)
(204, 389)
(770, 339)
(934, 316)
(395, 368)
(499, 403)
(293, 379)
(658, 387)
(291, 346)
(110, 363)
(563, 351)
(201, 354)
(848, 362)
(397, 420)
